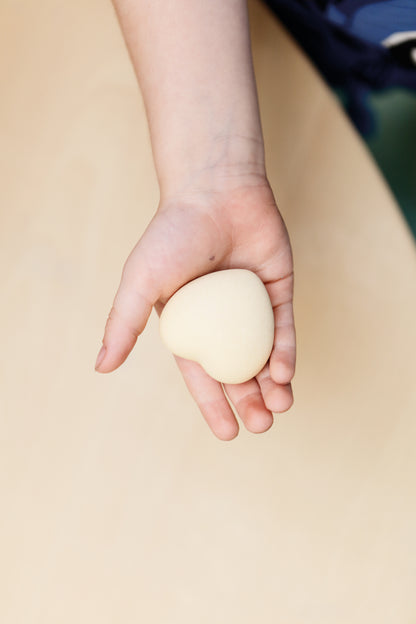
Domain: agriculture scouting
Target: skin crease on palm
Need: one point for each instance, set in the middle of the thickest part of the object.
(193, 233)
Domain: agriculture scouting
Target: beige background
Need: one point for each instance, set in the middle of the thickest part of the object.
(117, 502)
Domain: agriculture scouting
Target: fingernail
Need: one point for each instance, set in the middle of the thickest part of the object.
(100, 357)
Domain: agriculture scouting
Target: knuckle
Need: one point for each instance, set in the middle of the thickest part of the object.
(247, 400)
(116, 316)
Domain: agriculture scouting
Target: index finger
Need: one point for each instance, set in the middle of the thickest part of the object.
(210, 398)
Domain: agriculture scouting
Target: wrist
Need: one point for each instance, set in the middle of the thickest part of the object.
(219, 164)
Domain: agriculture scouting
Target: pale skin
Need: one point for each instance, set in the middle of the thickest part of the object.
(217, 210)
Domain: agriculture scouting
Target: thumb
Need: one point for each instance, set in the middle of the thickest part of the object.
(128, 316)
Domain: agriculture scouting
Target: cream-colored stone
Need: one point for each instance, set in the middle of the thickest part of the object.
(224, 321)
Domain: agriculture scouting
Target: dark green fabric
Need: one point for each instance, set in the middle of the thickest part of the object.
(393, 144)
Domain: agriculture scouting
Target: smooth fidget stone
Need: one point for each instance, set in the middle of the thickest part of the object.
(222, 320)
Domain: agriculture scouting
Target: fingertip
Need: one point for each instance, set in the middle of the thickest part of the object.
(227, 434)
(100, 358)
(282, 370)
(260, 422)
(221, 421)
(104, 368)
(111, 357)
(277, 397)
(287, 400)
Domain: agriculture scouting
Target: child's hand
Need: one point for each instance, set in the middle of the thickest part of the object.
(194, 64)
(190, 236)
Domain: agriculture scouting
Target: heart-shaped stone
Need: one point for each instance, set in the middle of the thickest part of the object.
(222, 320)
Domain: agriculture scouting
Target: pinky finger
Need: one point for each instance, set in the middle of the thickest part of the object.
(283, 357)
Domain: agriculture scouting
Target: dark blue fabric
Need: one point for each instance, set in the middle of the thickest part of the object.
(373, 20)
(356, 63)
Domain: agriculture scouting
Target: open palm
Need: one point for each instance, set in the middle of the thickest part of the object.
(192, 236)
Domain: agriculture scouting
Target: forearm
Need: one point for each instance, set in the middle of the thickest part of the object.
(193, 62)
